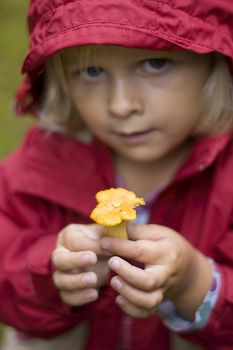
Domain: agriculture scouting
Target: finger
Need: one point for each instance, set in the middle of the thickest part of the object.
(146, 252)
(80, 297)
(65, 260)
(140, 298)
(133, 310)
(81, 237)
(70, 282)
(151, 278)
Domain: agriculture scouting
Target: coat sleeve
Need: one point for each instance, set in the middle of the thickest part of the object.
(218, 333)
(29, 300)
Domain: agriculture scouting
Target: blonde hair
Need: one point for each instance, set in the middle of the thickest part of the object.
(57, 110)
(216, 110)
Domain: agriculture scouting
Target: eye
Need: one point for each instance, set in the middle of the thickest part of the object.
(92, 73)
(154, 65)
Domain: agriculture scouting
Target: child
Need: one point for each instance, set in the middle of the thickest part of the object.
(134, 94)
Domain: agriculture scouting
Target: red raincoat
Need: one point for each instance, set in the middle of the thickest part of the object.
(41, 191)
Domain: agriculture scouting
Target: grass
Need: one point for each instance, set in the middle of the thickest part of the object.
(13, 46)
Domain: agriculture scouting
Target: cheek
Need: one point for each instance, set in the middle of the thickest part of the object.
(88, 107)
(176, 114)
(180, 103)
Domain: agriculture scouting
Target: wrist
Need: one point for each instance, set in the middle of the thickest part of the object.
(194, 290)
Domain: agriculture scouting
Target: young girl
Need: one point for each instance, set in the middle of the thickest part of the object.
(134, 94)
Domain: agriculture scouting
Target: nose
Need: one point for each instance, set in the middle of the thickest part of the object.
(124, 99)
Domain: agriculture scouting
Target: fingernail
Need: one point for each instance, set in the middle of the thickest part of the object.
(88, 279)
(105, 244)
(89, 258)
(114, 263)
(116, 283)
(91, 295)
(120, 301)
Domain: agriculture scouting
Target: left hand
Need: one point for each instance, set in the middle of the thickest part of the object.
(174, 270)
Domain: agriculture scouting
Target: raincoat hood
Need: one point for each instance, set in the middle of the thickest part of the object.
(200, 26)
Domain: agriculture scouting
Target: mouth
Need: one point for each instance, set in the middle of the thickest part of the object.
(135, 137)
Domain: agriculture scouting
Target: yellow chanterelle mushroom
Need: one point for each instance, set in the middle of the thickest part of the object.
(115, 206)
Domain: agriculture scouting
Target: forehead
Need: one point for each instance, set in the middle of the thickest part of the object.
(100, 53)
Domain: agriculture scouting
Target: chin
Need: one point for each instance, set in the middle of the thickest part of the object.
(143, 158)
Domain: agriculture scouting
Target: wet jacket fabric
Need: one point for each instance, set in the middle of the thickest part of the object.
(42, 191)
(201, 26)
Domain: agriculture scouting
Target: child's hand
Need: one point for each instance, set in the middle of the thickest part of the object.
(80, 266)
(173, 270)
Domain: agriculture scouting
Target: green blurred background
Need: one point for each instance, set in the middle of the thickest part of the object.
(13, 45)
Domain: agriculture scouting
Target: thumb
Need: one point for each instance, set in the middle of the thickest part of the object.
(151, 232)
(94, 231)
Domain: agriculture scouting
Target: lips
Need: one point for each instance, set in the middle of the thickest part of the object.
(135, 136)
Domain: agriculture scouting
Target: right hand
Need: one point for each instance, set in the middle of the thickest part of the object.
(81, 268)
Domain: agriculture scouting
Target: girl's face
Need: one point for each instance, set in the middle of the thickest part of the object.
(143, 104)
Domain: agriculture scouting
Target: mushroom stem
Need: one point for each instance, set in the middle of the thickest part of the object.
(118, 231)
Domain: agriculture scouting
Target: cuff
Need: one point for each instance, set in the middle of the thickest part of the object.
(177, 323)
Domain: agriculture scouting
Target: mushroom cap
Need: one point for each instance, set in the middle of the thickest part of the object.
(114, 206)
